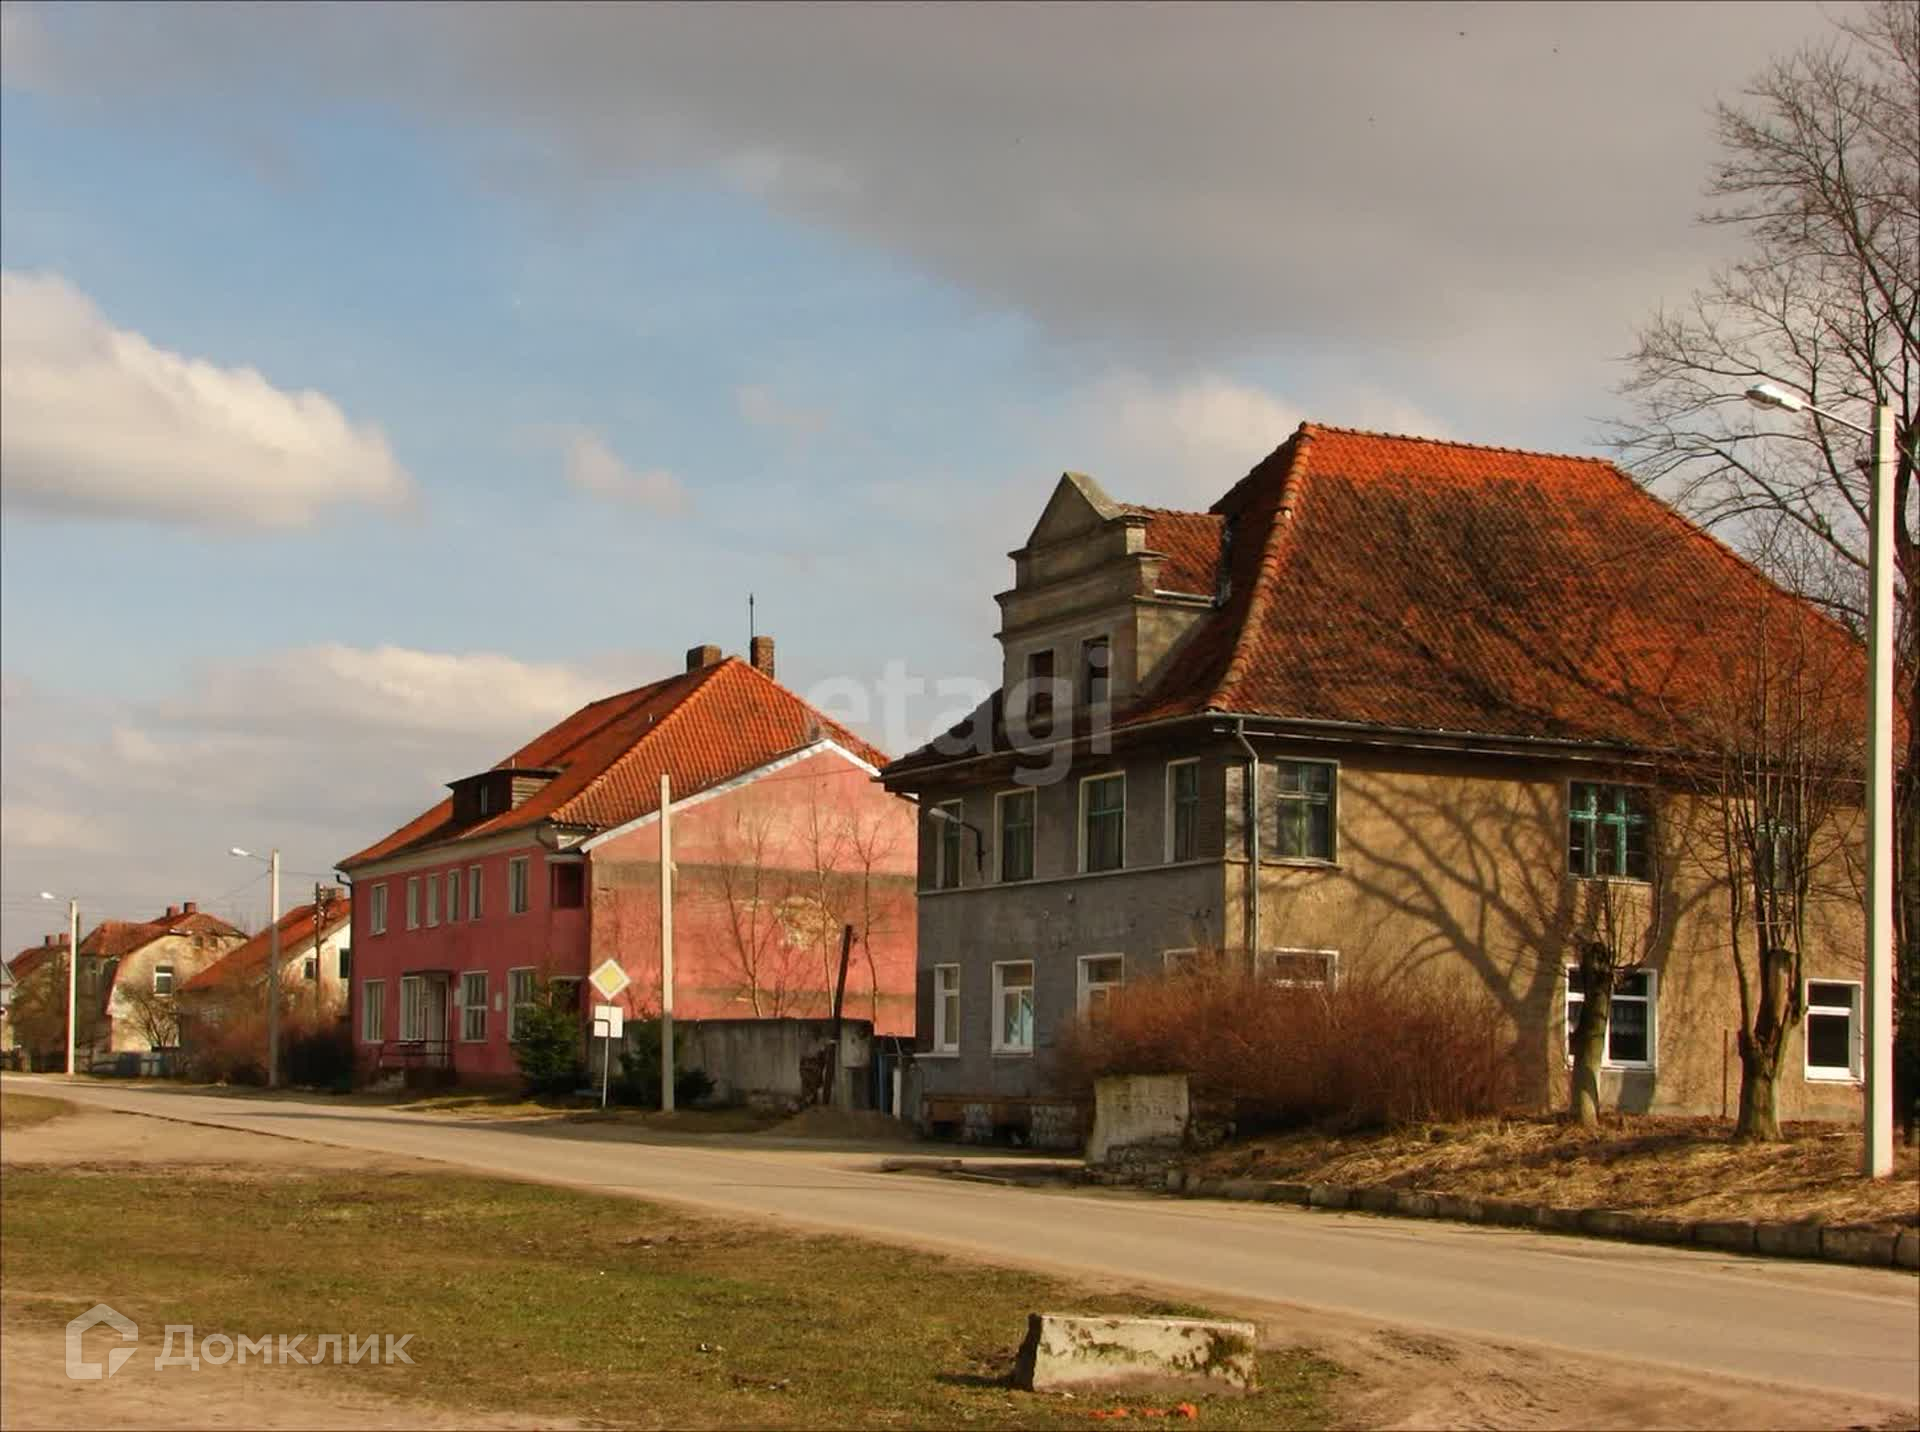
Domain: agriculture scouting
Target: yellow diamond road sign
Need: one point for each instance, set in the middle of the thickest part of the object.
(609, 979)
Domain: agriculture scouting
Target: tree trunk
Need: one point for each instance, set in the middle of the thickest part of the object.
(1590, 1034)
(1759, 1089)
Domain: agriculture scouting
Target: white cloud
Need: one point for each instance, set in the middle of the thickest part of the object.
(40, 827)
(595, 468)
(99, 421)
(761, 408)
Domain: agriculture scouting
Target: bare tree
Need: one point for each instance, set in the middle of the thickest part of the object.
(1817, 174)
(754, 887)
(1616, 929)
(155, 1017)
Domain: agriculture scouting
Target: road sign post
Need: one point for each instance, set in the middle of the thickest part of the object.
(608, 1023)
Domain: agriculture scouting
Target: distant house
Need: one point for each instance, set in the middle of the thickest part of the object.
(1390, 706)
(540, 868)
(315, 966)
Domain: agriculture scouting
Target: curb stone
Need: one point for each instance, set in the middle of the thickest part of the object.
(1377, 1198)
(1297, 1193)
(1732, 1234)
(1841, 1244)
(1329, 1195)
(1788, 1240)
(1906, 1250)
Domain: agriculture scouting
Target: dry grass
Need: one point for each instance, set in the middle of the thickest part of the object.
(1670, 1167)
(22, 1111)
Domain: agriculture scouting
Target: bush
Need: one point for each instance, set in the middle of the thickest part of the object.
(547, 1043)
(1368, 1052)
(319, 1057)
(639, 1080)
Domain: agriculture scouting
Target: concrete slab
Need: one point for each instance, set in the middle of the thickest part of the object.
(1065, 1352)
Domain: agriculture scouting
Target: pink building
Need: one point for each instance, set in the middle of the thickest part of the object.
(547, 864)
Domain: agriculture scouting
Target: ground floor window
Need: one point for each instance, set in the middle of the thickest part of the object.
(1630, 1027)
(522, 990)
(946, 1009)
(413, 1008)
(1300, 969)
(473, 1006)
(373, 1012)
(1833, 1029)
(1100, 979)
(1013, 1007)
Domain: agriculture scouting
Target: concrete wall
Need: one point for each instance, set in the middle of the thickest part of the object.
(764, 1061)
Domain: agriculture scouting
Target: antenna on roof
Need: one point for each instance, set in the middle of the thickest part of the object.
(751, 631)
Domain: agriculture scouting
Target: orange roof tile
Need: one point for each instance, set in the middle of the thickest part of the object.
(701, 727)
(249, 961)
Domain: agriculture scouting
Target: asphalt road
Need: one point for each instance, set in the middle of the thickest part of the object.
(1854, 1330)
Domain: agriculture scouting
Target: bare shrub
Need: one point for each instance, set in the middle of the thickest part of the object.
(1367, 1052)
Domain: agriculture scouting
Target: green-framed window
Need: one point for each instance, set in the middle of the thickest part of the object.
(1609, 831)
(1307, 795)
(1016, 835)
(1103, 806)
(1183, 810)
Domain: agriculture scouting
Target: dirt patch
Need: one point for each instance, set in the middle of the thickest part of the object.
(1667, 1167)
(864, 1125)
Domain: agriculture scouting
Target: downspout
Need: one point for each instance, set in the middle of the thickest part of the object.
(1253, 845)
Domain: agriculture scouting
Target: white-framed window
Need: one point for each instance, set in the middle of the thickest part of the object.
(1100, 977)
(310, 967)
(523, 987)
(377, 910)
(1832, 1032)
(473, 892)
(947, 818)
(1013, 1007)
(413, 902)
(163, 979)
(1631, 1029)
(946, 1009)
(1175, 963)
(473, 1006)
(1183, 809)
(1103, 822)
(453, 894)
(1014, 813)
(433, 900)
(413, 1008)
(1096, 670)
(1608, 829)
(517, 887)
(373, 1012)
(1307, 794)
(1300, 969)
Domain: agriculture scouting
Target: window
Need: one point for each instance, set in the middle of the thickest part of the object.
(946, 1009)
(453, 894)
(1016, 834)
(310, 967)
(1630, 1033)
(1040, 687)
(1179, 963)
(1013, 1008)
(1096, 659)
(1607, 830)
(473, 1006)
(1833, 1030)
(433, 900)
(1183, 810)
(517, 885)
(1100, 976)
(1300, 969)
(1103, 822)
(413, 1008)
(345, 956)
(413, 903)
(1774, 856)
(522, 990)
(946, 853)
(1306, 796)
(569, 881)
(373, 1012)
(473, 892)
(163, 979)
(377, 911)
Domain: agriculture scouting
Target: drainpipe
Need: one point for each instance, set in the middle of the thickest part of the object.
(1253, 845)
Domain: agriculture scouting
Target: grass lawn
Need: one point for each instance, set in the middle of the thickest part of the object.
(559, 1303)
(20, 1111)
(1671, 1167)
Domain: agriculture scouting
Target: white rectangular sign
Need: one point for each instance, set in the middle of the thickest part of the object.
(607, 1021)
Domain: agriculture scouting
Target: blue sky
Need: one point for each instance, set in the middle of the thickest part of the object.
(613, 316)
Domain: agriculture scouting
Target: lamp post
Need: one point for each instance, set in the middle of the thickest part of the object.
(1877, 1156)
(273, 959)
(73, 970)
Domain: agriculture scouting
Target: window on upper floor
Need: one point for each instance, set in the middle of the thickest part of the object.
(163, 979)
(1306, 793)
(1096, 670)
(1183, 810)
(569, 885)
(433, 900)
(1040, 688)
(1103, 822)
(948, 827)
(413, 902)
(377, 911)
(344, 959)
(518, 896)
(1016, 810)
(453, 894)
(473, 892)
(1608, 831)
(310, 967)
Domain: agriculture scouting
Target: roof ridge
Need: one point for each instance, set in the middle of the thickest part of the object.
(704, 677)
(1307, 427)
(1259, 595)
(624, 697)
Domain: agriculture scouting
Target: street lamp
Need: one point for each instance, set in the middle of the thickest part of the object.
(1877, 1159)
(73, 969)
(273, 959)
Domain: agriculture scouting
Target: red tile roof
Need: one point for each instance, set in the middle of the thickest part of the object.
(1191, 542)
(701, 727)
(114, 939)
(1408, 583)
(249, 961)
(33, 956)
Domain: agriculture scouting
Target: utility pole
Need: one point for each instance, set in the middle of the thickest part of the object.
(273, 969)
(666, 943)
(1877, 1154)
(73, 979)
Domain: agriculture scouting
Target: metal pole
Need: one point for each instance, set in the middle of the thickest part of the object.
(666, 943)
(73, 979)
(273, 970)
(1877, 1154)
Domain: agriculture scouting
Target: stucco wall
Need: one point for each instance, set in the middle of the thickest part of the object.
(188, 954)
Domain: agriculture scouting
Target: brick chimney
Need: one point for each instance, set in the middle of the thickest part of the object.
(173, 912)
(53, 940)
(760, 653)
(699, 656)
(192, 907)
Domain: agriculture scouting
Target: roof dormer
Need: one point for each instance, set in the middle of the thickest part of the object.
(494, 792)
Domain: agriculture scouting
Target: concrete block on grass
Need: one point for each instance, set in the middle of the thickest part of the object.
(1842, 1244)
(1064, 1352)
(1787, 1240)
